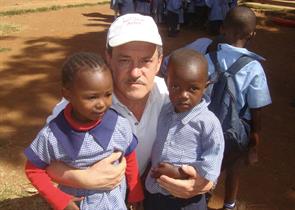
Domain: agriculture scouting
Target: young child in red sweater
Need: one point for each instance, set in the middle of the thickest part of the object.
(86, 131)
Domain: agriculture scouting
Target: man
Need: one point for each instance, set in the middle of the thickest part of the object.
(134, 54)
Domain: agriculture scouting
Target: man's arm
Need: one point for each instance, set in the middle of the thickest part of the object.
(186, 188)
(103, 175)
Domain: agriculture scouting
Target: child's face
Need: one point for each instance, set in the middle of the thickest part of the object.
(90, 95)
(186, 88)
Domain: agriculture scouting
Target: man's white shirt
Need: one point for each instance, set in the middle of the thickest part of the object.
(145, 129)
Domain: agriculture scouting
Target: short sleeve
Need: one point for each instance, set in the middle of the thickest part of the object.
(40, 151)
(258, 93)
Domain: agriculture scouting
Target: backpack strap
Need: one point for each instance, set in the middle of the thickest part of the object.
(213, 57)
(234, 68)
(239, 64)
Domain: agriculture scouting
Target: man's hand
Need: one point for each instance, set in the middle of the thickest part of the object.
(72, 205)
(103, 175)
(188, 188)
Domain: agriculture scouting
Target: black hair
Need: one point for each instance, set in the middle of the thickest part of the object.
(188, 57)
(242, 20)
(79, 62)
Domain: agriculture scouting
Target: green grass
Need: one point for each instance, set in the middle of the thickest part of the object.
(46, 9)
(8, 28)
(3, 49)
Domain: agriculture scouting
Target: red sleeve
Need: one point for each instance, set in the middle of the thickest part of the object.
(42, 182)
(133, 179)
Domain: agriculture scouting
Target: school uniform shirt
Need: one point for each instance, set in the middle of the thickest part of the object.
(194, 138)
(126, 7)
(145, 129)
(143, 7)
(251, 81)
(58, 141)
(218, 9)
(174, 6)
(199, 45)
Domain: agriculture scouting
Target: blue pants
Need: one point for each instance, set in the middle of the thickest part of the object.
(161, 202)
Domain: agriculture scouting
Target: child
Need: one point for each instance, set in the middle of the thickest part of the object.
(143, 7)
(252, 90)
(188, 133)
(217, 12)
(173, 14)
(86, 131)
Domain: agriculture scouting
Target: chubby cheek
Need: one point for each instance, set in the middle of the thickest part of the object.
(173, 98)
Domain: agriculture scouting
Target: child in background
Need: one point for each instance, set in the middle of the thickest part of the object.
(201, 13)
(143, 7)
(187, 134)
(217, 12)
(86, 131)
(173, 16)
(238, 30)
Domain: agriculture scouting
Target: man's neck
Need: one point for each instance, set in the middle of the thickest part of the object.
(135, 106)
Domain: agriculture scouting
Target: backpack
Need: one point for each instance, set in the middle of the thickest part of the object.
(224, 102)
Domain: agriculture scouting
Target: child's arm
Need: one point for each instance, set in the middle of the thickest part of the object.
(41, 181)
(254, 138)
(255, 124)
(169, 170)
(133, 179)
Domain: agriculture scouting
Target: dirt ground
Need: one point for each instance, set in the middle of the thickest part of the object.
(29, 89)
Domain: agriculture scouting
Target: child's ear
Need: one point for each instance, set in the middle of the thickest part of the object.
(251, 35)
(65, 92)
(208, 83)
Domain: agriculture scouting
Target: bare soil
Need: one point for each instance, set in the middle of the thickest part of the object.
(29, 89)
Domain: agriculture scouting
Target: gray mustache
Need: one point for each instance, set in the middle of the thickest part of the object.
(139, 82)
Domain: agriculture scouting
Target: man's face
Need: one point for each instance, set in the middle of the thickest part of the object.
(134, 66)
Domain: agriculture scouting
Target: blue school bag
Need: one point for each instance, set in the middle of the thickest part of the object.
(223, 104)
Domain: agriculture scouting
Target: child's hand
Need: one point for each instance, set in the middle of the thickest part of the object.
(254, 139)
(72, 205)
(135, 206)
(169, 170)
(252, 156)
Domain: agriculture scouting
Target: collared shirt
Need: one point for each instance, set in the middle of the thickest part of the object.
(250, 80)
(58, 141)
(174, 5)
(145, 129)
(218, 9)
(199, 45)
(194, 138)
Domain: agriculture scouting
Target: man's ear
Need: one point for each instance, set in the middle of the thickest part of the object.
(159, 64)
(65, 92)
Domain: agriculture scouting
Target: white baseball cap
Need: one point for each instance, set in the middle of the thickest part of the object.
(133, 27)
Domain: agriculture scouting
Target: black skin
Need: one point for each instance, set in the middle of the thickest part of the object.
(169, 170)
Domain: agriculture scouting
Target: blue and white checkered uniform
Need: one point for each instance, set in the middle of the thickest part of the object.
(250, 80)
(58, 141)
(194, 138)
